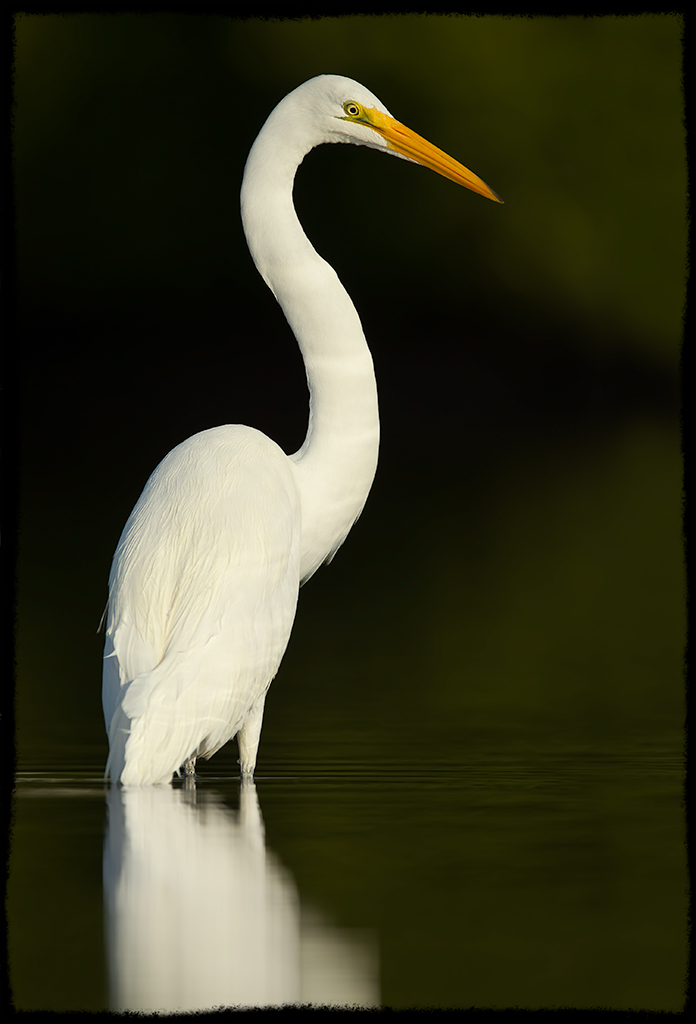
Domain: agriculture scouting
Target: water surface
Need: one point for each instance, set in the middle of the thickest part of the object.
(509, 879)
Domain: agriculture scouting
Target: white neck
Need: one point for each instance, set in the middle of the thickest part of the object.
(336, 464)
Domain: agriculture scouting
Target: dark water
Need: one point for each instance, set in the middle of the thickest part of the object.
(503, 879)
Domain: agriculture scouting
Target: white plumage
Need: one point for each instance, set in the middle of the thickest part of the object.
(204, 582)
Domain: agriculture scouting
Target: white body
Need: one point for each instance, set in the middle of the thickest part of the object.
(206, 576)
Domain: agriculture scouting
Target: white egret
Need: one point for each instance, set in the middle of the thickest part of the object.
(205, 578)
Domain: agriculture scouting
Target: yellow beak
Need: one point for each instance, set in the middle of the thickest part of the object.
(402, 140)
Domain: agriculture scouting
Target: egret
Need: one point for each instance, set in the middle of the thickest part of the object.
(205, 578)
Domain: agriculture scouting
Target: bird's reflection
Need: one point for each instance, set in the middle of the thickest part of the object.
(200, 914)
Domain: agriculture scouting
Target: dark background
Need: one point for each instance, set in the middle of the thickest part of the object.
(527, 354)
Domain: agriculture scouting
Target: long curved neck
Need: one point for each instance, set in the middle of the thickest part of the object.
(336, 464)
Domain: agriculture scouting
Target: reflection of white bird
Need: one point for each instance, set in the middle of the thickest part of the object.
(200, 913)
(204, 581)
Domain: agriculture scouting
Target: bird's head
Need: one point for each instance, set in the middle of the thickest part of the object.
(345, 111)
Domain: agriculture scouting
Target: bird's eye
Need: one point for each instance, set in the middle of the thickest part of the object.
(352, 108)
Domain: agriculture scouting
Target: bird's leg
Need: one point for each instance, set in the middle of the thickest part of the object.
(190, 768)
(248, 738)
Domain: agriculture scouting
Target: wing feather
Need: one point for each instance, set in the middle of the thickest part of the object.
(203, 591)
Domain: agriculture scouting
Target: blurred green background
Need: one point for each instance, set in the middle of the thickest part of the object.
(520, 552)
(474, 740)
